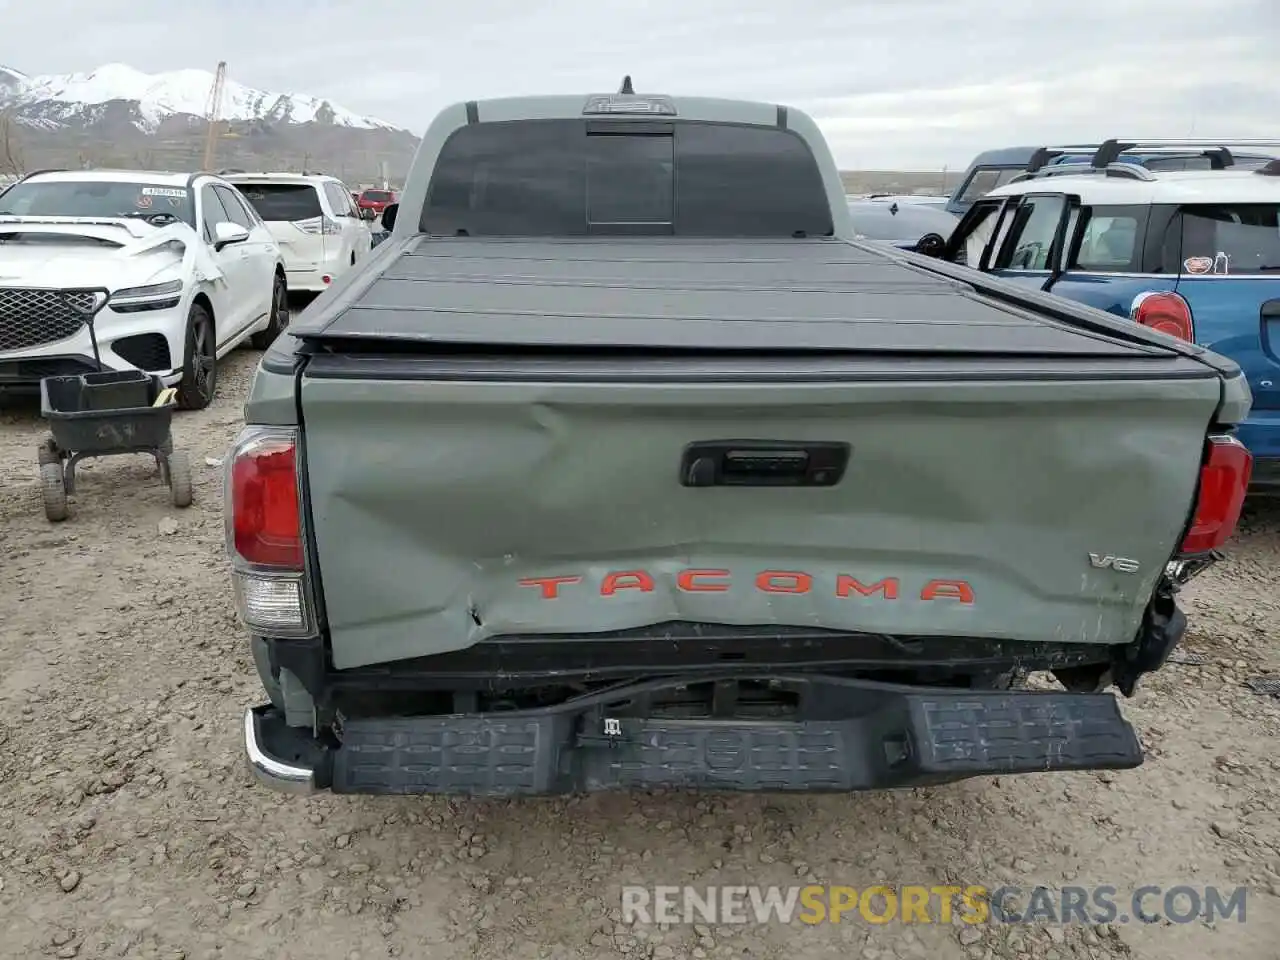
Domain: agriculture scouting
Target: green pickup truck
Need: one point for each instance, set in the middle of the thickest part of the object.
(620, 463)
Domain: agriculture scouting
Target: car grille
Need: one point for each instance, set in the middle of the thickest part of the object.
(32, 318)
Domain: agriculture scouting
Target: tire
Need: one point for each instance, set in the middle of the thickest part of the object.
(199, 382)
(279, 316)
(180, 478)
(53, 492)
(47, 453)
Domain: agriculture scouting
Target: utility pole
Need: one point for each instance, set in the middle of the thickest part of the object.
(215, 108)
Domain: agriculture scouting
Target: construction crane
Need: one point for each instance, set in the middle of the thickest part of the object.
(212, 114)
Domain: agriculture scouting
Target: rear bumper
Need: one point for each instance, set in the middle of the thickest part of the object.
(310, 277)
(848, 735)
(1265, 480)
(1261, 434)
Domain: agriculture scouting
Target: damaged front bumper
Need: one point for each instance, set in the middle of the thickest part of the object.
(842, 735)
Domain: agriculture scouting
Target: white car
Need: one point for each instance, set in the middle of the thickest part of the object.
(319, 229)
(180, 269)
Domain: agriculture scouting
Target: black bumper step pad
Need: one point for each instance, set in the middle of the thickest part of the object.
(887, 737)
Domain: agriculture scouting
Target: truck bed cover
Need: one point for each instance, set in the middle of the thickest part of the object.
(825, 295)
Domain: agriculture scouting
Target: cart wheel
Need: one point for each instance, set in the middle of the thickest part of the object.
(180, 478)
(53, 491)
(48, 453)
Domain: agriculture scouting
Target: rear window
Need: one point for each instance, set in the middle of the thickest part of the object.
(986, 179)
(579, 178)
(95, 198)
(1231, 238)
(283, 201)
(377, 196)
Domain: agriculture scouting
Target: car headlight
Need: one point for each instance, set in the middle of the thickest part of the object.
(154, 296)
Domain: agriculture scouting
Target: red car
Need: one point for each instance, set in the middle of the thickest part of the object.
(376, 200)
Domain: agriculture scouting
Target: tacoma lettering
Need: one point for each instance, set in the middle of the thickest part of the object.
(766, 581)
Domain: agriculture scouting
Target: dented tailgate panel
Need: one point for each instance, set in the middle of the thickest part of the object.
(448, 510)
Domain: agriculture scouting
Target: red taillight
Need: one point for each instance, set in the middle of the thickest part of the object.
(266, 517)
(1164, 311)
(1224, 479)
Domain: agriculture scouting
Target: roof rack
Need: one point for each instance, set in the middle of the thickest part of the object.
(1217, 151)
(1128, 171)
(1109, 152)
(1044, 155)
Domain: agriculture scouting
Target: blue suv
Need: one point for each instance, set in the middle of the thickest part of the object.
(1193, 253)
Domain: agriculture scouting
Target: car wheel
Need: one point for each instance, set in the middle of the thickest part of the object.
(279, 316)
(200, 361)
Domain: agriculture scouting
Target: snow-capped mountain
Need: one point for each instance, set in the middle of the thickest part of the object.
(57, 101)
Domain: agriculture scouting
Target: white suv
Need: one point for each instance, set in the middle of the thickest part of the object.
(313, 220)
(174, 269)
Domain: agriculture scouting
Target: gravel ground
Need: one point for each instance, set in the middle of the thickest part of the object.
(129, 828)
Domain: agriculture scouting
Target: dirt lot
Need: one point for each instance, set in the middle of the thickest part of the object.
(128, 827)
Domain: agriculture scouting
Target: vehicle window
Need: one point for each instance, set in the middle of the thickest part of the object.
(554, 178)
(1031, 238)
(1110, 242)
(283, 201)
(211, 210)
(1232, 239)
(1178, 163)
(236, 212)
(377, 196)
(339, 199)
(979, 227)
(985, 179)
(95, 198)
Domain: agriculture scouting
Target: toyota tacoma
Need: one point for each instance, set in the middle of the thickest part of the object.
(622, 463)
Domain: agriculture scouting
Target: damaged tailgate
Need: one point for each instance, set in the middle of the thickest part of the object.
(517, 437)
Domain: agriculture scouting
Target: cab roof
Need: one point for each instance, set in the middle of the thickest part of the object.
(1181, 186)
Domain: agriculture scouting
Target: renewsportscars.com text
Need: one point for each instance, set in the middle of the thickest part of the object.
(915, 903)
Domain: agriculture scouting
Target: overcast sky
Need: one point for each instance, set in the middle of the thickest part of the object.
(913, 84)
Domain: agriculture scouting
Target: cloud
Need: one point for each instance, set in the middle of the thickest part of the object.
(917, 84)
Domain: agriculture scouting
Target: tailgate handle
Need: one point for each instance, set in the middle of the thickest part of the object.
(763, 463)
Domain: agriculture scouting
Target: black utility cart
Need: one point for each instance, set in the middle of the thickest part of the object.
(103, 414)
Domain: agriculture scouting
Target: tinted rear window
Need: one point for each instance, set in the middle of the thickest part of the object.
(377, 195)
(578, 178)
(283, 201)
(1234, 238)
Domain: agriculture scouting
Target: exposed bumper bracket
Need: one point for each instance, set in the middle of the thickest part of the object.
(266, 754)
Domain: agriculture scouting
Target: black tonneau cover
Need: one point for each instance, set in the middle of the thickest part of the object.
(819, 294)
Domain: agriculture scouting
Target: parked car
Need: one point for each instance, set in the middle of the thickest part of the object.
(902, 224)
(1194, 254)
(187, 269)
(995, 168)
(312, 219)
(377, 200)
(589, 483)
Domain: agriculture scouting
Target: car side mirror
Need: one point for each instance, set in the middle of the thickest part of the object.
(389, 216)
(931, 245)
(225, 234)
(368, 213)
